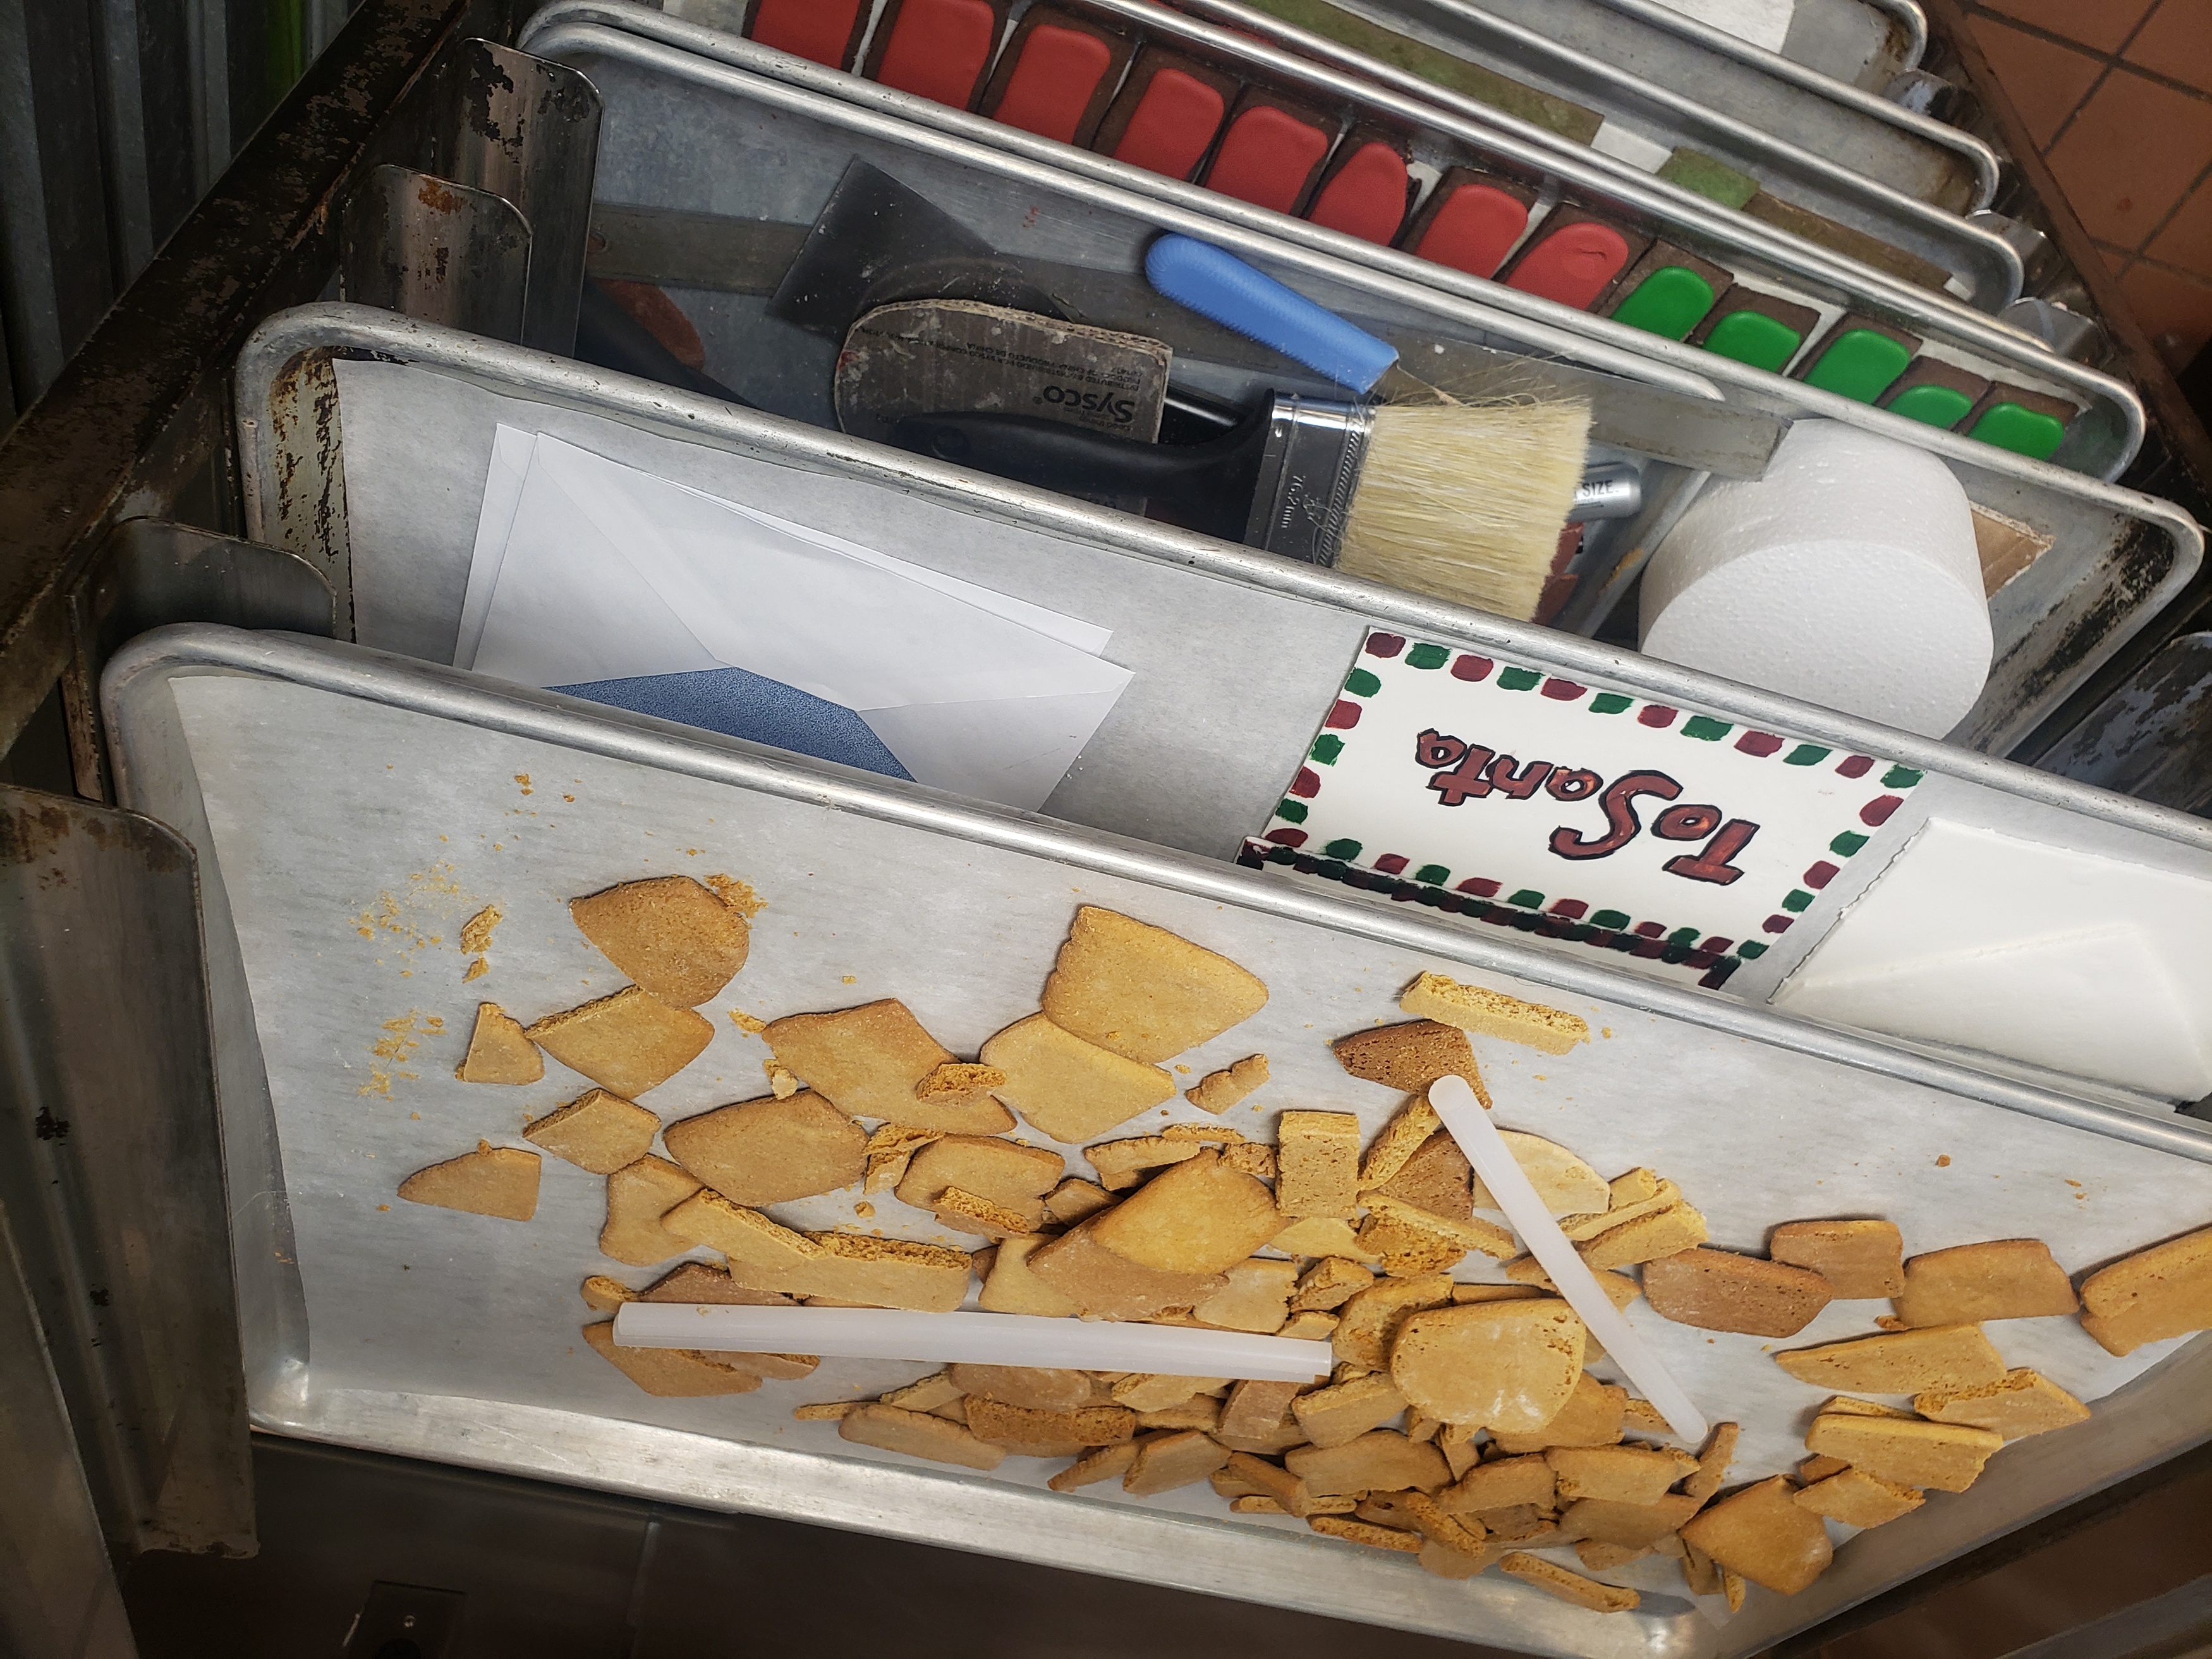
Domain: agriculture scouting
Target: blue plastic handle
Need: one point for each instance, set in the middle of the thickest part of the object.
(1217, 284)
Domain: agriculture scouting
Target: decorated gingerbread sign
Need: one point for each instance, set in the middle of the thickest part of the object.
(1460, 781)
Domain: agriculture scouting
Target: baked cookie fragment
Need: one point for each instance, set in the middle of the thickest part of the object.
(1566, 1184)
(2165, 1290)
(1256, 1299)
(1719, 1290)
(1860, 1260)
(872, 1061)
(1569, 1586)
(1011, 1287)
(2023, 1402)
(1217, 1092)
(669, 1373)
(1380, 1460)
(1510, 1367)
(1859, 1499)
(1067, 1088)
(1317, 1164)
(1200, 1216)
(494, 1181)
(1142, 993)
(596, 1130)
(676, 937)
(1103, 1285)
(499, 1051)
(1998, 1279)
(1493, 1013)
(918, 1434)
(628, 1042)
(1906, 1451)
(1409, 1058)
(769, 1151)
(1940, 1358)
(1765, 1534)
(1004, 1173)
(638, 1195)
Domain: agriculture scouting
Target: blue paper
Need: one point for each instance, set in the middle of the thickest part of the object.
(739, 704)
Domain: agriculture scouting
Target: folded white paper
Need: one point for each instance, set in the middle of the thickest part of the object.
(604, 572)
(2049, 955)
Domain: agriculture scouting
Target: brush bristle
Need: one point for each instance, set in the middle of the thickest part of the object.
(1465, 501)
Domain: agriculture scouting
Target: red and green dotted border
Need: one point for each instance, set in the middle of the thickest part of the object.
(1485, 899)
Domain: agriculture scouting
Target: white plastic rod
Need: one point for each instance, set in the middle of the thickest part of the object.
(975, 1339)
(1493, 1161)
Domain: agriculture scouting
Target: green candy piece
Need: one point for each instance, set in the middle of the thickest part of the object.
(2023, 431)
(1932, 405)
(1860, 365)
(1754, 337)
(1669, 302)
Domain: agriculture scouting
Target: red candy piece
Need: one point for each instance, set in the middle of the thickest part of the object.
(1174, 123)
(1052, 85)
(1572, 265)
(1367, 196)
(1474, 229)
(820, 31)
(938, 49)
(1266, 158)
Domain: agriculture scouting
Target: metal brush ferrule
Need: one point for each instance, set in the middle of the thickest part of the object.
(1308, 473)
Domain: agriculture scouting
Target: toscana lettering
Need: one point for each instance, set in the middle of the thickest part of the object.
(1462, 771)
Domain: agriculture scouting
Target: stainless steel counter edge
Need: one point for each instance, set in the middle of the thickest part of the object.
(1992, 263)
(581, 29)
(404, 681)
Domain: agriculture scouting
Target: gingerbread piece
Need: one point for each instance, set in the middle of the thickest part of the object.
(628, 1042)
(596, 1130)
(1069, 1090)
(678, 940)
(1199, 1218)
(2163, 1292)
(499, 1051)
(1940, 1357)
(1907, 1451)
(1141, 992)
(638, 1195)
(1508, 1366)
(918, 1434)
(1379, 1461)
(1997, 1278)
(769, 1151)
(1859, 1499)
(1411, 1057)
(493, 1181)
(871, 1060)
(2022, 1403)
(1217, 1092)
(1719, 1290)
(1763, 1534)
(1493, 1013)
(669, 1373)
(1859, 1259)
(1569, 1586)
(1317, 1164)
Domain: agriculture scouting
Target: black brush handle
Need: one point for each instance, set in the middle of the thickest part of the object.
(1203, 486)
(608, 337)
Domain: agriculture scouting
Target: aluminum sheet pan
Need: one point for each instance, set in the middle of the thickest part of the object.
(1191, 759)
(1985, 270)
(628, 47)
(2118, 556)
(431, 1332)
(1812, 108)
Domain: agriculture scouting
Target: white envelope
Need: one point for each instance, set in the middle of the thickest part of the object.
(608, 573)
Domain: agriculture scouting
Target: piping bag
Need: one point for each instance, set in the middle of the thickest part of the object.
(1463, 1117)
(1283, 478)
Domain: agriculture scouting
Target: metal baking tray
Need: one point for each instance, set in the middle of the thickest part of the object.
(763, 152)
(365, 441)
(373, 1323)
(665, 64)
(1986, 269)
(1808, 104)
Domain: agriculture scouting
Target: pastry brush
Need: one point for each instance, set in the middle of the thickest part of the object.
(1461, 502)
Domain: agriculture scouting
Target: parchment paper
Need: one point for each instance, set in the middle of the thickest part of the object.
(354, 838)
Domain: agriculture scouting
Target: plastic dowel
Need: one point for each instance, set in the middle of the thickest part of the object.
(1485, 1149)
(975, 1339)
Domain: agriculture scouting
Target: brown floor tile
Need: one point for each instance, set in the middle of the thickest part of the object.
(2167, 302)
(2187, 242)
(2103, 24)
(2177, 41)
(2133, 151)
(2044, 81)
(2117, 259)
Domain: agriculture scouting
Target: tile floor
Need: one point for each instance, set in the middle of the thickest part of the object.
(2118, 94)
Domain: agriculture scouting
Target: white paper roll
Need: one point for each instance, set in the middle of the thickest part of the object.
(1846, 576)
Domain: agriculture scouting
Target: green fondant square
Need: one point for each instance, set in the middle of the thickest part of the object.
(1899, 777)
(1361, 683)
(1341, 849)
(1427, 656)
(1519, 680)
(1433, 875)
(1807, 754)
(1611, 702)
(1847, 843)
(1528, 899)
(2023, 431)
(1669, 302)
(1706, 728)
(1610, 919)
(1749, 949)
(1932, 405)
(1860, 365)
(1797, 899)
(1686, 936)
(1326, 747)
(1754, 337)
(1292, 811)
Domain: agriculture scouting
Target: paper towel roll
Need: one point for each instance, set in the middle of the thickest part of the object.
(1846, 576)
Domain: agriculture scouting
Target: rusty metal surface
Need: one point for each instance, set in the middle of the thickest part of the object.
(137, 421)
(111, 1174)
(427, 246)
